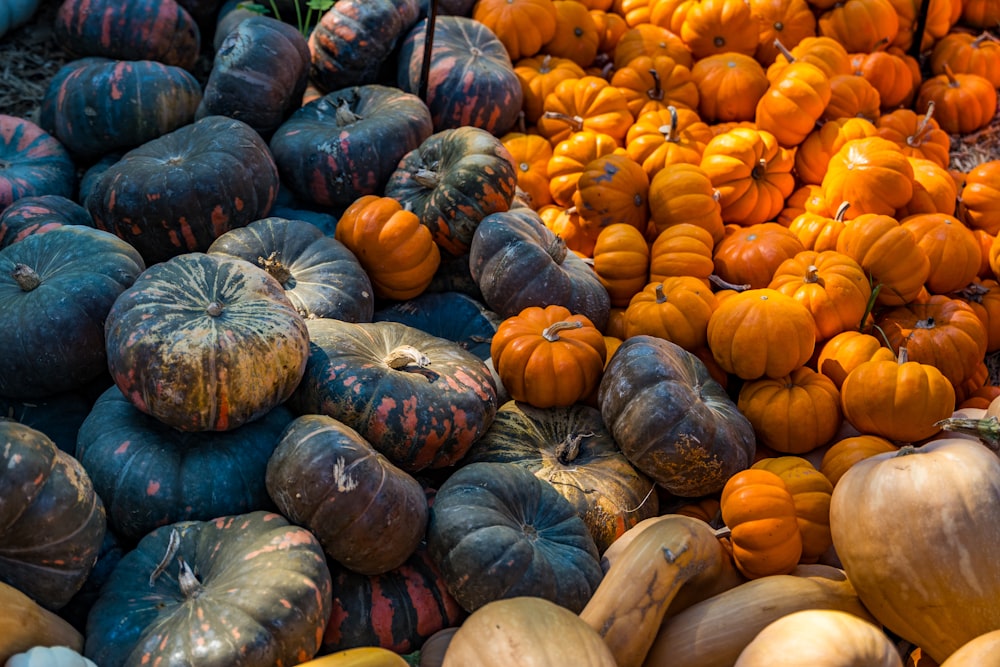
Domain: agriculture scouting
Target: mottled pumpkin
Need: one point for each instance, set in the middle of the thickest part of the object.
(419, 399)
(32, 162)
(453, 315)
(39, 214)
(206, 342)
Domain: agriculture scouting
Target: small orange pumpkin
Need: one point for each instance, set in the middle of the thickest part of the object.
(621, 261)
(793, 103)
(539, 76)
(967, 53)
(590, 103)
(655, 83)
(964, 103)
(764, 531)
(950, 246)
(860, 25)
(613, 188)
(682, 250)
(917, 135)
(531, 154)
(570, 156)
(720, 26)
(667, 137)
(812, 158)
(872, 174)
(979, 205)
(575, 36)
(844, 453)
(676, 309)
(522, 26)
(751, 255)
(646, 39)
(787, 22)
(888, 253)
(730, 86)
(848, 350)
(811, 492)
(684, 194)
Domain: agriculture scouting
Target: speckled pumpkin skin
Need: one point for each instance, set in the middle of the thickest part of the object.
(206, 342)
(263, 599)
(416, 416)
(34, 162)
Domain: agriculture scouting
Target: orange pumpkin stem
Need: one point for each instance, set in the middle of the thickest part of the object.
(25, 277)
(551, 332)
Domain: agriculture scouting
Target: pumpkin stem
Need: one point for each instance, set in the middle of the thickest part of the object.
(190, 586)
(344, 115)
(569, 448)
(660, 296)
(546, 66)
(575, 122)
(919, 135)
(986, 429)
(214, 309)
(842, 211)
(405, 355)
(551, 332)
(759, 172)
(272, 264)
(427, 178)
(783, 50)
(927, 323)
(557, 249)
(974, 292)
(720, 284)
(25, 277)
(724, 531)
(812, 275)
(656, 92)
(670, 132)
(903, 356)
(952, 81)
(173, 544)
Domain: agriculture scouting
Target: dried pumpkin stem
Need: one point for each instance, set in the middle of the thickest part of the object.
(344, 115)
(25, 277)
(783, 50)
(812, 275)
(721, 284)
(272, 264)
(214, 309)
(656, 92)
(575, 122)
(842, 211)
(427, 178)
(557, 250)
(986, 429)
(569, 448)
(670, 132)
(404, 355)
(923, 127)
(190, 586)
(551, 332)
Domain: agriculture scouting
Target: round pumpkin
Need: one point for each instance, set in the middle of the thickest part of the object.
(418, 399)
(39, 214)
(676, 309)
(758, 509)
(452, 315)
(497, 531)
(206, 342)
(810, 491)
(33, 162)
(671, 419)
(51, 520)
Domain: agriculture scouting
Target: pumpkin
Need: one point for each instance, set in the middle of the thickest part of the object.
(530, 154)
(794, 414)
(761, 332)
(759, 511)
(720, 26)
(786, 22)
(206, 342)
(613, 189)
(26, 624)
(751, 255)
(669, 554)
(889, 253)
(539, 75)
(39, 214)
(320, 275)
(963, 103)
(621, 261)
(951, 481)
(34, 162)
(259, 74)
(418, 399)
(254, 578)
(399, 610)
(730, 84)
(651, 40)
(978, 650)
(570, 156)
(852, 96)
(548, 357)
(652, 84)
(684, 195)
(39, 276)
(900, 400)
(520, 629)
(522, 26)
(823, 637)
(162, 31)
(950, 246)
(843, 454)
(165, 197)
(810, 491)
(497, 531)
(51, 520)
(793, 103)
(354, 37)
(671, 419)
(324, 476)
(667, 137)
(826, 53)
(681, 250)
(934, 191)
(967, 53)
(830, 284)
(917, 135)
(119, 121)
(818, 231)
(871, 173)
(751, 172)
(362, 656)
(471, 80)
(842, 353)
(45, 656)
(58, 417)
(979, 14)
(979, 201)
(739, 613)
(983, 295)
(570, 448)
(376, 126)
(860, 25)
(587, 103)
(676, 309)
(576, 36)
(935, 23)
(892, 76)
(15, 13)
(452, 315)
(518, 262)
(452, 180)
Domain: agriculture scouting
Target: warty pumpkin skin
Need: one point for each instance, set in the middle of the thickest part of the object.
(367, 513)
(253, 579)
(51, 520)
(320, 275)
(150, 474)
(452, 180)
(419, 399)
(206, 342)
(671, 419)
(33, 162)
(497, 531)
(573, 450)
(375, 126)
(948, 488)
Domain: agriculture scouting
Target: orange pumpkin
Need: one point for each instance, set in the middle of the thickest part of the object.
(846, 351)
(785, 21)
(934, 191)
(751, 255)
(812, 158)
(752, 173)
(667, 137)
(522, 26)
(966, 53)
(852, 96)
(872, 174)
(843, 454)
(670, 14)
(793, 414)
(979, 204)
(950, 246)
(981, 14)
(889, 253)
(826, 53)
(548, 356)
(621, 261)
(963, 103)
(807, 198)
(646, 39)
(811, 491)
(610, 28)
(890, 74)
(720, 26)
(396, 251)
(570, 156)
(730, 86)
(655, 83)
(793, 103)
(587, 103)
(684, 194)
(936, 17)
(819, 231)
(984, 298)
(900, 400)
(682, 249)
(917, 135)
(531, 154)
(830, 284)
(761, 332)
(676, 309)
(613, 188)
(539, 76)
(575, 36)
(759, 511)
(860, 25)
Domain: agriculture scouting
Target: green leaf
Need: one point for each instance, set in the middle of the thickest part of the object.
(251, 6)
(320, 5)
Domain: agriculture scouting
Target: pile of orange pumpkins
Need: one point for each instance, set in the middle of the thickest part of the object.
(739, 271)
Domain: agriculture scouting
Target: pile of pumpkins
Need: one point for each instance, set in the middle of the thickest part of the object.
(489, 332)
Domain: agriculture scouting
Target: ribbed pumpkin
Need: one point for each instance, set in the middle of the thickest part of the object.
(571, 448)
(621, 261)
(676, 309)
(887, 252)
(759, 511)
(206, 342)
(963, 103)
(730, 86)
(951, 248)
(570, 156)
(844, 453)
(39, 214)
(539, 75)
(918, 135)
(793, 103)
(667, 137)
(531, 154)
(812, 159)
(719, 26)
(684, 194)
(34, 162)
(968, 53)
(671, 419)
(587, 103)
(522, 26)
(751, 255)
(453, 315)
(841, 354)
(653, 84)
(681, 250)
(576, 36)
(979, 203)
(811, 492)
(872, 174)
(613, 189)
(419, 399)
(860, 25)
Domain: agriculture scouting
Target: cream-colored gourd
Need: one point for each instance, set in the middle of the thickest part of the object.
(49, 656)
(983, 651)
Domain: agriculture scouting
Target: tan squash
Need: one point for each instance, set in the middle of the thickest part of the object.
(362, 656)
(528, 632)
(713, 632)
(820, 638)
(931, 578)
(983, 651)
(25, 624)
(629, 604)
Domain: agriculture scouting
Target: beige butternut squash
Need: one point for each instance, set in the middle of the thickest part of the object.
(982, 651)
(25, 624)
